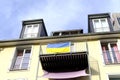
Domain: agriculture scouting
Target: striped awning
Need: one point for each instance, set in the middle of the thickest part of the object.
(66, 62)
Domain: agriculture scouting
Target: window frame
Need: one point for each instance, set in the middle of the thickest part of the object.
(15, 56)
(32, 34)
(108, 43)
(100, 23)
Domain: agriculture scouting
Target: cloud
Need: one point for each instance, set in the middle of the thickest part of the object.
(57, 15)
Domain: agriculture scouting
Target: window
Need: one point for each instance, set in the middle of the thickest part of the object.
(21, 59)
(118, 20)
(101, 25)
(31, 31)
(111, 53)
(114, 77)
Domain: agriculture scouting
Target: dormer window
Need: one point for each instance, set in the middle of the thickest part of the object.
(31, 31)
(98, 23)
(101, 25)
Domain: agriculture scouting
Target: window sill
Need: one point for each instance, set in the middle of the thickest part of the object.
(17, 69)
(113, 64)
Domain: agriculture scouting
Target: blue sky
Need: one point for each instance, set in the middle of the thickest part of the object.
(57, 14)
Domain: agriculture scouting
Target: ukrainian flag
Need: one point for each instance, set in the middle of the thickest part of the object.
(62, 47)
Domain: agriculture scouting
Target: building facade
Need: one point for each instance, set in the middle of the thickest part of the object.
(66, 55)
(116, 21)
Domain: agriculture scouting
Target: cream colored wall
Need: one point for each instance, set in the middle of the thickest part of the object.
(5, 59)
(80, 46)
(99, 70)
(94, 58)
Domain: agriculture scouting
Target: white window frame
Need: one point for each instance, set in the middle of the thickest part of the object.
(109, 48)
(30, 35)
(100, 28)
(14, 58)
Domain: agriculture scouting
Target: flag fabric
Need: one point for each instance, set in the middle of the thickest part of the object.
(62, 47)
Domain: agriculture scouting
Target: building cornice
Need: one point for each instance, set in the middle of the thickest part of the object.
(52, 39)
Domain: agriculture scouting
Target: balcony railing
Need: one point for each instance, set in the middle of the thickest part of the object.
(111, 57)
(64, 62)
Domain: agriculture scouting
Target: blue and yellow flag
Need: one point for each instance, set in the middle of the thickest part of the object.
(62, 47)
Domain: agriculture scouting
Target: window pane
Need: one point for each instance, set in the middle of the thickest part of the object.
(105, 26)
(24, 66)
(101, 25)
(27, 53)
(115, 53)
(16, 66)
(96, 24)
(25, 60)
(17, 62)
(28, 29)
(20, 52)
(22, 58)
(18, 59)
(106, 53)
(35, 28)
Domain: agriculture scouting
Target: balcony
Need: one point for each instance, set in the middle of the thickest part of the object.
(66, 62)
(111, 57)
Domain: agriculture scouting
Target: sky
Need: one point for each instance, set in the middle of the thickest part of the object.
(57, 14)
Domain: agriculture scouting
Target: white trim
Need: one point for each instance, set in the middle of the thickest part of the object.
(14, 57)
(30, 58)
(32, 33)
(103, 61)
(22, 59)
(110, 52)
(118, 45)
(100, 24)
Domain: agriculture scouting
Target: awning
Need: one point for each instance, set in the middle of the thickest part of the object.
(66, 62)
(65, 75)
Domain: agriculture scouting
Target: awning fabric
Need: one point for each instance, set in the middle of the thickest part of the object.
(61, 47)
(65, 75)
